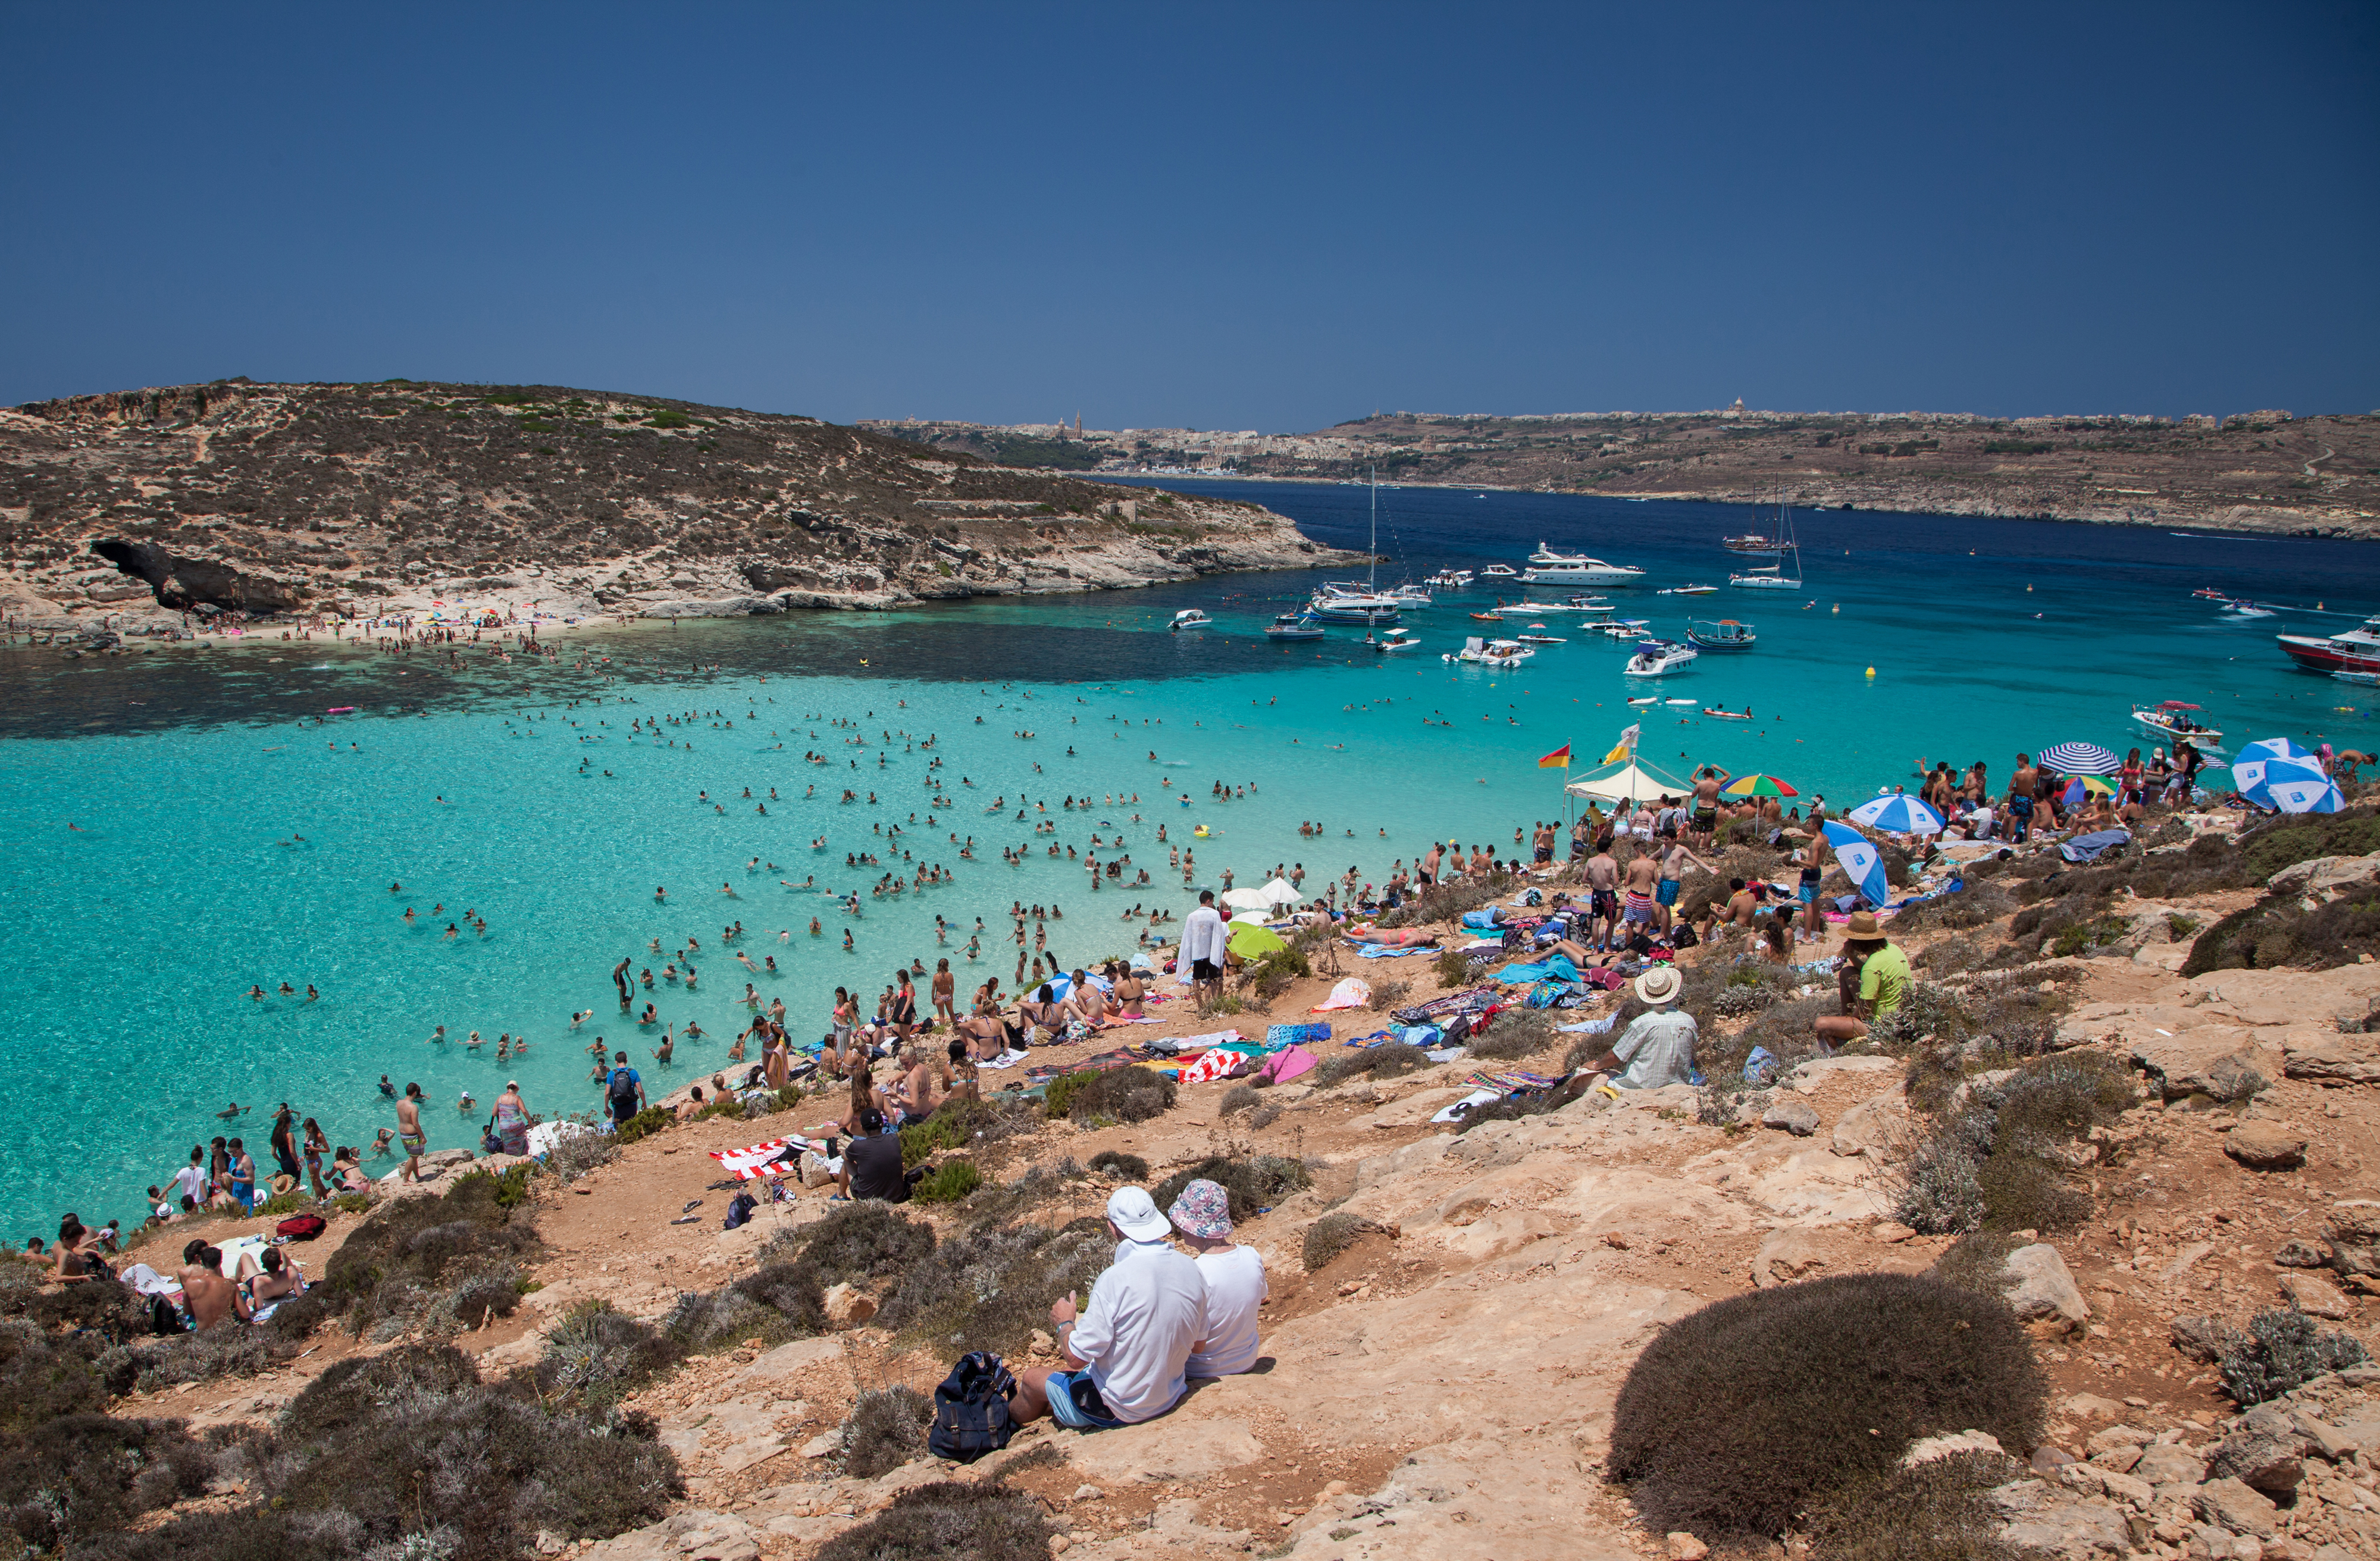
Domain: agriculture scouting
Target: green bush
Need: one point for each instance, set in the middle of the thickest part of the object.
(283, 1204)
(1826, 1382)
(948, 1182)
(409, 1253)
(886, 1429)
(1453, 969)
(665, 418)
(1253, 1184)
(2283, 1351)
(351, 1203)
(948, 1522)
(1058, 1099)
(645, 1123)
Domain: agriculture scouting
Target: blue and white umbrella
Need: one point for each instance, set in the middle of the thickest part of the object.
(2248, 764)
(2293, 786)
(2080, 758)
(1861, 862)
(1900, 814)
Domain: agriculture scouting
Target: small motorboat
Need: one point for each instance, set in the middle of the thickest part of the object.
(1750, 542)
(1624, 628)
(1541, 639)
(1191, 618)
(1491, 652)
(1660, 658)
(2354, 650)
(1410, 596)
(2366, 678)
(1717, 714)
(1500, 571)
(1449, 579)
(1394, 640)
(1725, 635)
(1295, 626)
(1487, 617)
(340, 710)
(1547, 567)
(2244, 609)
(1687, 590)
(2174, 719)
(2209, 593)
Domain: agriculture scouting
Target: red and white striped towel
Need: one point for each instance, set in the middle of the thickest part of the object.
(750, 1165)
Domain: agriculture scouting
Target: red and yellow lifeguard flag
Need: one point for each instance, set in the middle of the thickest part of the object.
(1558, 759)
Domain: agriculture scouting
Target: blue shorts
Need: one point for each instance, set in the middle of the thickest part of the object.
(1062, 1388)
(1669, 891)
(1808, 893)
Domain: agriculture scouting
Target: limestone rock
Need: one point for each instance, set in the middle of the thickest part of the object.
(1926, 1449)
(2164, 1464)
(2115, 1436)
(2202, 1338)
(2353, 1232)
(1873, 1125)
(1796, 1116)
(2056, 1519)
(1785, 1256)
(2323, 872)
(787, 1360)
(2314, 1298)
(2299, 1253)
(2035, 1281)
(848, 1307)
(1171, 1448)
(2214, 1061)
(2233, 1506)
(2266, 1451)
(1684, 1546)
(2265, 1146)
(2333, 1062)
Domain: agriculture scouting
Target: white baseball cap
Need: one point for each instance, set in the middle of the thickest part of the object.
(1134, 1211)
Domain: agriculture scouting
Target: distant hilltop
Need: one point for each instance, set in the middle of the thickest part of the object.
(250, 500)
(2251, 471)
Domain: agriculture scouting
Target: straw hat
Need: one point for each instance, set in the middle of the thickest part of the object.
(1863, 928)
(1659, 985)
(284, 1183)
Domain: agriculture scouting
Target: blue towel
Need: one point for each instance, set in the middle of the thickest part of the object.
(1382, 952)
(1281, 1035)
(2090, 848)
(1556, 968)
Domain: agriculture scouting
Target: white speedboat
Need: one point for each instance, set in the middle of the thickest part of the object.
(1295, 626)
(1370, 611)
(1491, 652)
(1660, 658)
(1725, 635)
(1623, 628)
(1411, 596)
(2173, 719)
(2355, 651)
(1449, 579)
(1547, 567)
(1191, 618)
(1394, 640)
(1687, 590)
(1499, 572)
(1541, 639)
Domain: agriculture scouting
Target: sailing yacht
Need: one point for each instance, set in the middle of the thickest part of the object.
(1343, 602)
(1774, 576)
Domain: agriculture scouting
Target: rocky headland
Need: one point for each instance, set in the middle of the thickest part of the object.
(2265, 471)
(254, 500)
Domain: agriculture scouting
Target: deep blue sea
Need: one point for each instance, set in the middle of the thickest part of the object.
(224, 837)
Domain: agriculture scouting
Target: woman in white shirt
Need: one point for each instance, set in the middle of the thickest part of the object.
(1235, 1281)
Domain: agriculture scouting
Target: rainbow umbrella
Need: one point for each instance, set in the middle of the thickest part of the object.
(1758, 786)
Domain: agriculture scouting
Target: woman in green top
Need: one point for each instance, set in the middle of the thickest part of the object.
(1884, 981)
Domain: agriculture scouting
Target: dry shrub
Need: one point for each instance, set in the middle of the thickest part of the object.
(948, 1522)
(1516, 1036)
(1934, 1511)
(990, 1288)
(1993, 1163)
(2280, 932)
(1123, 1166)
(1386, 1060)
(887, 1428)
(2281, 1351)
(73, 1480)
(1447, 901)
(226, 1349)
(1252, 1185)
(1239, 1098)
(1263, 1117)
(1389, 994)
(1123, 1095)
(410, 1253)
(596, 1356)
(43, 1377)
(1039, 1185)
(1826, 1382)
(859, 1243)
(776, 1302)
(576, 1153)
(1330, 1236)
(1527, 1103)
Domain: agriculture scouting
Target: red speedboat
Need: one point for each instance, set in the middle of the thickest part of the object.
(2357, 651)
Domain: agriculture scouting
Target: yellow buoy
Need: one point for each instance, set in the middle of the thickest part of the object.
(1871, 672)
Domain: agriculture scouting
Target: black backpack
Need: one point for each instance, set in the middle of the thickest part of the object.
(971, 1410)
(622, 1090)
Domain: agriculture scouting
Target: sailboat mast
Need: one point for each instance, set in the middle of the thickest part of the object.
(1375, 577)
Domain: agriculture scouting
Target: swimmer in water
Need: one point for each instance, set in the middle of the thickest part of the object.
(847, 941)
(234, 1109)
(255, 994)
(380, 1145)
(386, 1088)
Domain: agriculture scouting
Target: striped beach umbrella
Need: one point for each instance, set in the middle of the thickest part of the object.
(1898, 814)
(2080, 758)
(1758, 786)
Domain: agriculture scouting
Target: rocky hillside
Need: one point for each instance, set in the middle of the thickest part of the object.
(2258, 471)
(259, 498)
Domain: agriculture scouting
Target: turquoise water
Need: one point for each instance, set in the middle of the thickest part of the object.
(193, 773)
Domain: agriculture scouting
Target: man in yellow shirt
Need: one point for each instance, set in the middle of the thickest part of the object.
(1884, 981)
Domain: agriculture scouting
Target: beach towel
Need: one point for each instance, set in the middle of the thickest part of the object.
(1592, 1027)
(1382, 952)
(1557, 968)
(2091, 847)
(1467, 1105)
(1212, 1065)
(1352, 992)
(750, 1164)
(1281, 1035)
(1290, 1062)
(1006, 1060)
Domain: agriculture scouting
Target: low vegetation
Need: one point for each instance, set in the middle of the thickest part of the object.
(887, 1428)
(1827, 1384)
(949, 1520)
(2280, 1352)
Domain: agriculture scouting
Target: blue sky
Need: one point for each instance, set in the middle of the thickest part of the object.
(1268, 216)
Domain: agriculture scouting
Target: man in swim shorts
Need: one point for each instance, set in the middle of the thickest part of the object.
(1706, 790)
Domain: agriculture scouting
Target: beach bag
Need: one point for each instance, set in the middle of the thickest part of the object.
(301, 1227)
(1760, 1068)
(971, 1416)
(739, 1212)
(622, 1091)
(165, 1317)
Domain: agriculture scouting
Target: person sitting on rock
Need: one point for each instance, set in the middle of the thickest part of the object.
(1125, 1362)
(1234, 1276)
(1658, 1048)
(1883, 976)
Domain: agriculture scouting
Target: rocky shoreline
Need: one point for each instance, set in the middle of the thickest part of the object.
(159, 512)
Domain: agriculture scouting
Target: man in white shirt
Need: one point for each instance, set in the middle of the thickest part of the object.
(190, 1181)
(1204, 940)
(1234, 1275)
(1125, 1359)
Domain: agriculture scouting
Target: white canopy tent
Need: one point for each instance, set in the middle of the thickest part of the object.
(1633, 781)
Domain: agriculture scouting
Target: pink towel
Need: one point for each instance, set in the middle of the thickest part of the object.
(1288, 1063)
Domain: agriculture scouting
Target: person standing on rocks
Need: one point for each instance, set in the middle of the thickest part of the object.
(1203, 944)
(408, 1131)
